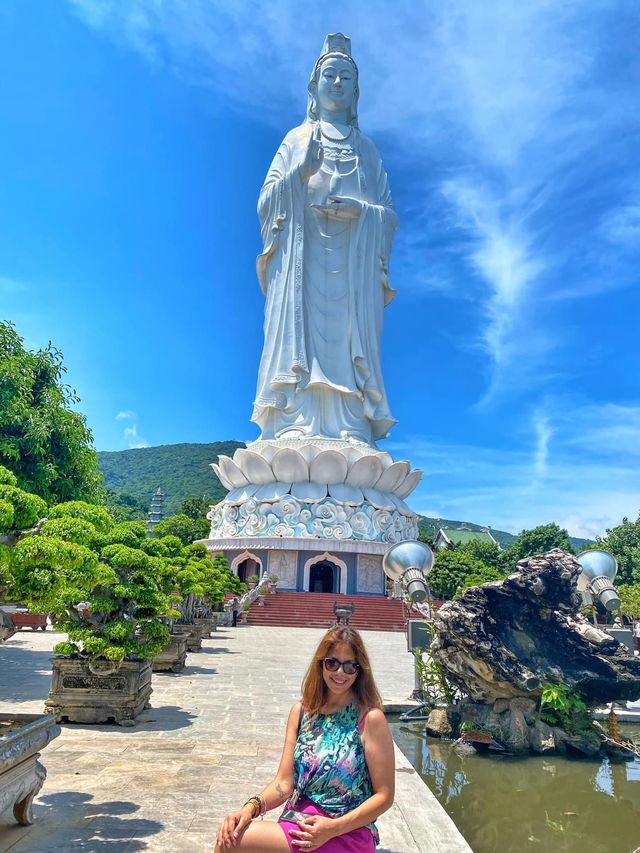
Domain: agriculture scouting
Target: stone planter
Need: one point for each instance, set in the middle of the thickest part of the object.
(223, 619)
(21, 774)
(30, 620)
(173, 656)
(192, 633)
(207, 625)
(120, 693)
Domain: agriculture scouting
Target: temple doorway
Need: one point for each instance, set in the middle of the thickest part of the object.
(324, 576)
(247, 567)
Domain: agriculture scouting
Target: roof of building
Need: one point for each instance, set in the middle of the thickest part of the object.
(459, 537)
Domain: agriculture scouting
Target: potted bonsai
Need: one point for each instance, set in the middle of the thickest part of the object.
(20, 515)
(253, 581)
(273, 583)
(22, 736)
(203, 583)
(107, 595)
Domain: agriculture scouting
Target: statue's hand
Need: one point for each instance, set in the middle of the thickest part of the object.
(313, 157)
(341, 207)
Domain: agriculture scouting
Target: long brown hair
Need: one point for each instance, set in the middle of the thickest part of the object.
(314, 689)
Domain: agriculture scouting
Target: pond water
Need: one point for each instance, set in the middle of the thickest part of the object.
(504, 803)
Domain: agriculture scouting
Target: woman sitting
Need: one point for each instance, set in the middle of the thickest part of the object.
(336, 774)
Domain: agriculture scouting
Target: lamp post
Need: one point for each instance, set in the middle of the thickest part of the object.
(595, 581)
(408, 564)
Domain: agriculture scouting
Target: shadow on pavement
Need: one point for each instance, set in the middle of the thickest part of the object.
(165, 718)
(25, 674)
(208, 651)
(70, 821)
(198, 670)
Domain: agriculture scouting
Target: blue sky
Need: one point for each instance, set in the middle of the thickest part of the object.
(136, 135)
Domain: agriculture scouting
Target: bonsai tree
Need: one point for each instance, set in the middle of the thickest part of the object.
(85, 570)
(105, 592)
(110, 588)
(203, 582)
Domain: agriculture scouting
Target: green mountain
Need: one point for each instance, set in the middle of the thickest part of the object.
(182, 471)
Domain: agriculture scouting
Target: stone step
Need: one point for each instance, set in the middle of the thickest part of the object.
(316, 609)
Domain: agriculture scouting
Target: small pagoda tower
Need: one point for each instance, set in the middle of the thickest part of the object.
(156, 511)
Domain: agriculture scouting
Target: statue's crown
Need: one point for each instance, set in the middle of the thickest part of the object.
(337, 43)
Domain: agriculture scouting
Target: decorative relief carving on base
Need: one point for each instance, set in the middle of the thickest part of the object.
(370, 575)
(327, 519)
(285, 565)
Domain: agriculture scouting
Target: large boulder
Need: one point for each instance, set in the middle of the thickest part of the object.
(509, 638)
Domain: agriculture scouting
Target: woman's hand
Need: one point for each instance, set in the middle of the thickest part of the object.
(313, 157)
(234, 825)
(315, 831)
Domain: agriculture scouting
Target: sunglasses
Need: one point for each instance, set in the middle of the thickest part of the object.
(349, 667)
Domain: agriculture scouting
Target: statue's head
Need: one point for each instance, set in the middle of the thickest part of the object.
(334, 81)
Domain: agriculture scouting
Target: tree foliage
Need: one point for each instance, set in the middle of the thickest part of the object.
(195, 507)
(455, 570)
(629, 599)
(43, 441)
(623, 542)
(539, 540)
(125, 507)
(111, 588)
(185, 528)
(180, 470)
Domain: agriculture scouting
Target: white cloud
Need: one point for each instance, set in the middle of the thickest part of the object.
(543, 432)
(130, 432)
(623, 225)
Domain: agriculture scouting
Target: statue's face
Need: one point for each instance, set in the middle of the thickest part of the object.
(336, 84)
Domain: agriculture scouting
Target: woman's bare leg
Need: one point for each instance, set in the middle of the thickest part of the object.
(261, 836)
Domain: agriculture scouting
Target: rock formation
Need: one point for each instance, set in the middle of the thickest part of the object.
(509, 638)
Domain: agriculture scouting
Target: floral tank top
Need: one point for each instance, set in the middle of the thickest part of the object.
(329, 763)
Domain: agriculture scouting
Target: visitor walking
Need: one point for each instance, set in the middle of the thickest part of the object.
(336, 774)
(636, 636)
(235, 605)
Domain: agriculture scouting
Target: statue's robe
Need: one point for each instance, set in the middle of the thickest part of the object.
(325, 283)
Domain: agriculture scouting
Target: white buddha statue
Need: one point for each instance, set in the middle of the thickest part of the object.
(327, 224)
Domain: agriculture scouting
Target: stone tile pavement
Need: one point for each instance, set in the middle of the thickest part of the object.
(212, 738)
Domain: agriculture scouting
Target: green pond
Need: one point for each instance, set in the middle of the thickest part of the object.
(504, 803)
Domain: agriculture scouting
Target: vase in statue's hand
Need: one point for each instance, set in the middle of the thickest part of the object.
(313, 157)
(340, 207)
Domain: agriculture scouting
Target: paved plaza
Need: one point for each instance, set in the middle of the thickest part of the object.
(211, 739)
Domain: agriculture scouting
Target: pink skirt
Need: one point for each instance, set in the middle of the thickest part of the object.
(356, 841)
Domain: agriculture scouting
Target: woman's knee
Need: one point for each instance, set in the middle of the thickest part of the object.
(259, 837)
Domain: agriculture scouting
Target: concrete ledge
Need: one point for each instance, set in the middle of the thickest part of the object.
(417, 821)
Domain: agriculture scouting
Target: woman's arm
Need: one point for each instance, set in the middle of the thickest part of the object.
(379, 755)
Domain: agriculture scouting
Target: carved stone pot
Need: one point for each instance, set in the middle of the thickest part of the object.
(207, 625)
(193, 634)
(21, 774)
(173, 656)
(120, 693)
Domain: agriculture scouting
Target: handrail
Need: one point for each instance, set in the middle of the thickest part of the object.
(249, 597)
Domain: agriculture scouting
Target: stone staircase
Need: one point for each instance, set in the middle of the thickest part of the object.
(315, 610)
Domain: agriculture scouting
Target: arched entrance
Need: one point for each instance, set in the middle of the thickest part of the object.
(325, 573)
(323, 577)
(245, 565)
